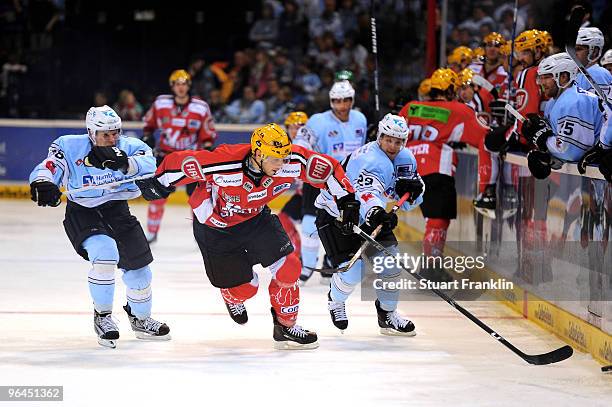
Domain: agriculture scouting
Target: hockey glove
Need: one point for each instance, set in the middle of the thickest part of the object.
(149, 140)
(152, 189)
(45, 193)
(413, 186)
(378, 216)
(593, 155)
(108, 157)
(349, 213)
(537, 130)
(539, 163)
(498, 111)
(495, 140)
(605, 167)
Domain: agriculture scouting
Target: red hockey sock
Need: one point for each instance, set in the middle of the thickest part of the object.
(155, 214)
(284, 290)
(239, 294)
(435, 236)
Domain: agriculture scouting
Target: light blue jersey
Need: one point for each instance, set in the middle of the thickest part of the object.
(373, 176)
(577, 123)
(336, 138)
(601, 76)
(65, 166)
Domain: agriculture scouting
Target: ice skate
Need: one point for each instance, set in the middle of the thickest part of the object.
(292, 338)
(106, 329)
(238, 312)
(392, 323)
(337, 311)
(486, 202)
(148, 329)
(151, 237)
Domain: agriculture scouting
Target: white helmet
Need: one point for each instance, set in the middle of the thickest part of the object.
(592, 37)
(393, 126)
(557, 64)
(341, 90)
(101, 118)
(607, 58)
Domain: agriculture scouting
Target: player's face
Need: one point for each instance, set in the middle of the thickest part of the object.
(525, 58)
(107, 138)
(271, 165)
(292, 130)
(466, 93)
(492, 51)
(582, 52)
(342, 107)
(180, 89)
(548, 84)
(391, 145)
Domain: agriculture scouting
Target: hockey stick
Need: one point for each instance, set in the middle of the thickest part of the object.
(554, 356)
(375, 53)
(517, 115)
(108, 185)
(510, 60)
(357, 255)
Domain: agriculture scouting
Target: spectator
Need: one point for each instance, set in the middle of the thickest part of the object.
(353, 55)
(264, 31)
(247, 109)
(100, 99)
(12, 86)
(327, 53)
(261, 72)
(217, 106)
(292, 30)
(479, 17)
(321, 97)
(307, 80)
(239, 76)
(328, 21)
(127, 107)
(271, 96)
(284, 68)
(505, 23)
(281, 106)
(348, 15)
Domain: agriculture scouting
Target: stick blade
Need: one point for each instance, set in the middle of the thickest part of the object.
(554, 356)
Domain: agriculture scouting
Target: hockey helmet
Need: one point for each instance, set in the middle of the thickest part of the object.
(461, 55)
(341, 90)
(271, 140)
(494, 39)
(393, 126)
(479, 54)
(465, 77)
(443, 79)
(296, 118)
(557, 64)
(529, 40)
(180, 75)
(424, 87)
(101, 118)
(593, 38)
(344, 75)
(607, 58)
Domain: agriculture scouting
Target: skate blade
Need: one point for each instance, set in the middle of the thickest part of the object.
(108, 343)
(148, 337)
(393, 332)
(289, 345)
(489, 213)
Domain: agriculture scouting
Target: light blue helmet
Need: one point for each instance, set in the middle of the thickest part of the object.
(393, 126)
(101, 118)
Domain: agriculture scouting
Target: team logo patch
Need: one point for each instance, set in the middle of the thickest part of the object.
(217, 223)
(289, 170)
(337, 148)
(233, 180)
(194, 124)
(366, 197)
(231, 198)
(100, 179)
(290, 310)
(332, 133)
(522, 97)
(267, 182)
(280, 188)
(51, 167)
(79, 162)
(318, 169)
(404, 171)
(248, 186)
(191, 168)
(257, 195)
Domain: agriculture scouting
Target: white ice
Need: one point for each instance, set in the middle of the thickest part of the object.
(47, 338)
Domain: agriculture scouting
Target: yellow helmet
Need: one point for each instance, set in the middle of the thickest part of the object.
(424, 87)
(465, 77)
(271, 140)
(479, 53)
(505, 49)
(444, 78)
(460, 55)
(548, 39)
(529, 40)
(179, 75)
(494, 38)
(296, 118)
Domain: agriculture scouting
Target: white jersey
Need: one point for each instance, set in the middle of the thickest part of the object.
(373, 176)
(65, 165)
(601, 76)
(577, 123)
(336, 138)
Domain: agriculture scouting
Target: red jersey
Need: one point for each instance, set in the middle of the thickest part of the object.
(497, 76)
(188, 128)
(228, 196)
(480, 104)
(432, 125)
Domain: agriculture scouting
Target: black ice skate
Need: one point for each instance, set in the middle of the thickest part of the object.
(148, 328)
(486, 202)
(392, 323)
(296, 337)
(106, 329)
(337, 310)
(238, 312)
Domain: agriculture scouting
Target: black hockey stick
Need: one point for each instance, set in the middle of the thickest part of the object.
(375, 53)
(554, 356)
(365, 244)
(573, 26)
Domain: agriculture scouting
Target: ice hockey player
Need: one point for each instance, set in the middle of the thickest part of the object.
(606, 60)
(380, 170)
(460, 58)
(185, 123)
(338, 131)
(434, 125)
(98, 222)
(235, 229)
(589, 47)
(572, 122)
(492, 67)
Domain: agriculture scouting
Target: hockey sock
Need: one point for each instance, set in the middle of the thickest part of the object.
(285, 299)
(435, 236)
(138, 291)
(343, 284)
(241, 293)
(103, 253)
(310, 241)
(389, 277)
(155, 214)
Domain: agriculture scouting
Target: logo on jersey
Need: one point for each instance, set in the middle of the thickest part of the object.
(277, 189)
(366, 197)
(191, 168)
(248, 186)
(404, 171)
(233, 180)
(337, 148)
(217, 223)
(358, 132)
(522, 97)
(332, 133)
(291, 309)
(231, 198)
(318, 169)
(89, 180)
(51, 167)
(289, 170)
(194, 124)
(79, 162)
(267, 182)
(257, 195)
